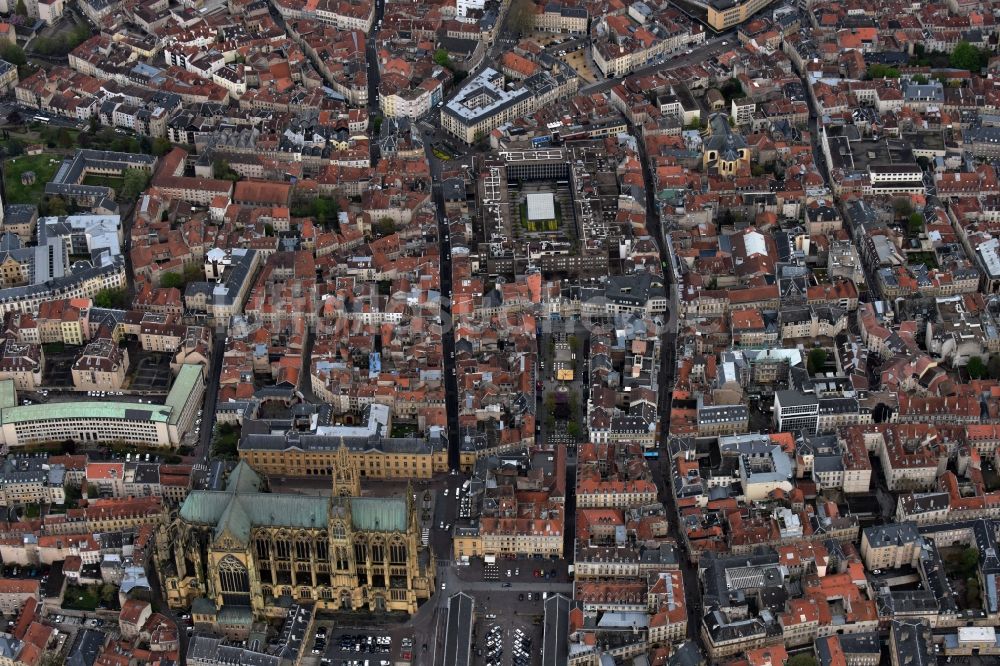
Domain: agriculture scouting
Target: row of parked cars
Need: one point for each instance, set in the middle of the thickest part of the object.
(521, 653)
(362, 643)
(494, 645)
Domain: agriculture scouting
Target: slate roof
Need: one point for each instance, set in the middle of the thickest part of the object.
(379, 514)
(241, 507)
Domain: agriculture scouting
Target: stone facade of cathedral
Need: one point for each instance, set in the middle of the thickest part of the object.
(255, 552)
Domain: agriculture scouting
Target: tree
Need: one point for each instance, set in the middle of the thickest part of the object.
(968, 559)
(161, 146)
(993, 367)
(967, 56)
(521, 15)
(21, 9)
(323, 210)
(223, 171)
(193, 273)
(134, 183)
(12, 148)
(732, 89)
(973, 595)
(111, 298)
(172, 280)
(385, 226)
(801, 660)
(56, 206)
(878, 71)
(13, 54)
(376, 125)
(443, 58)
(64, 139)
(574, 405)
(902, 206)
(976, 368)
(816, 360)
(574, 430)
(94, 124)
(915, 223)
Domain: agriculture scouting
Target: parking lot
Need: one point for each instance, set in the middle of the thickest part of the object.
(513, 642)
(508, 629)
(350, 646)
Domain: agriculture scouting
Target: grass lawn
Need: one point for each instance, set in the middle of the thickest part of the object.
(80, 598)
(441, 155)
(926, 258)
(403, 430)
(113, 182)
(44, 168)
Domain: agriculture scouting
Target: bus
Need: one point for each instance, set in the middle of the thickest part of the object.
(41, 119)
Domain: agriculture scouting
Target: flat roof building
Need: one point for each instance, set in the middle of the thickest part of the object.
(91, 421)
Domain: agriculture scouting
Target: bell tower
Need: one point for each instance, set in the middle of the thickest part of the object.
(346, 480)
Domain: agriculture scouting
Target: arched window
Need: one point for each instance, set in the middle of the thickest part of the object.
(338, 531)
(233, 578)
(342, 562)
(378, 551)
(397, 552)
(326, 593)
(302, 549)
(263, 548)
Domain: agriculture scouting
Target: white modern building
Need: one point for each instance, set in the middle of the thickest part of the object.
(91, 421)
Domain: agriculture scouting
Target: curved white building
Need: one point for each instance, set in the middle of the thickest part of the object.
(91, 421)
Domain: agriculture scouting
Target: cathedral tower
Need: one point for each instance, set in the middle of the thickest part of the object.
(346, 480)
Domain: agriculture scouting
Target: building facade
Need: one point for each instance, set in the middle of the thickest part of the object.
(243, 548)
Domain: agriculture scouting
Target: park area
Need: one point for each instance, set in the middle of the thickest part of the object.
(44, 167)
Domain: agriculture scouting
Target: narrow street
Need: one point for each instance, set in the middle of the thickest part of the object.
(665, 381)
(448, 329)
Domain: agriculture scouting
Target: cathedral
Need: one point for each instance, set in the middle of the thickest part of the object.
(258, 552)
